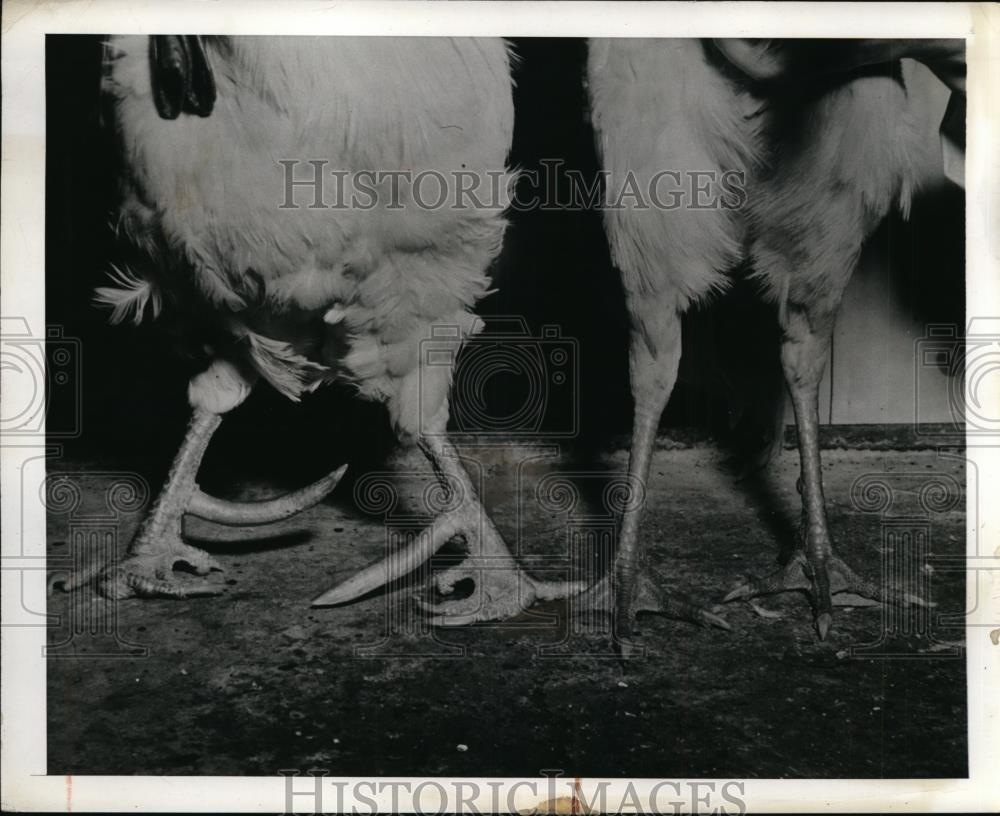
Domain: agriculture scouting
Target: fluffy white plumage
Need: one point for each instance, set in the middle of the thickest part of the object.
(829, 166)
(204, 194)
(657, 106)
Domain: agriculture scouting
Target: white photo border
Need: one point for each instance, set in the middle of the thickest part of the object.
(26, 786)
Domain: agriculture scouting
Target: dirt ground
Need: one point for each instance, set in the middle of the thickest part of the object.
(254, 681)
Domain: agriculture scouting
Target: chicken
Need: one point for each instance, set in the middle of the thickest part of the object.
(822, 160)
(798, 176)
(216, 135)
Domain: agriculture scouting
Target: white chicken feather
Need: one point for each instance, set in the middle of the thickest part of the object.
(307, 294)
(210, 190)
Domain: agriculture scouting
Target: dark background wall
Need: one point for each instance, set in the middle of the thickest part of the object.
(554, 270)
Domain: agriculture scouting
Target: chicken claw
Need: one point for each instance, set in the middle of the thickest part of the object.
(502, 589)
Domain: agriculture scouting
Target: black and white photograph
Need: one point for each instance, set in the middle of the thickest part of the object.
(449, 392)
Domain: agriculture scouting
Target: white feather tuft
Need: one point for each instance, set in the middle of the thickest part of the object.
(129, 297)
(289, 372)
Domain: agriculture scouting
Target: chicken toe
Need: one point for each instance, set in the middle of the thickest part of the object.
(152, 573)
(822, 582)
(647, 597)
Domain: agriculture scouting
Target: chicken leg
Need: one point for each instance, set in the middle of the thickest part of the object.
(814, 567)
(655, 352)
(158, 546)
(148, 570)
(502, 589)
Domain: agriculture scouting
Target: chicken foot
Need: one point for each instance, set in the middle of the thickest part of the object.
(814, 567)
(631, 587)
(502, 589)
(646, 596)
(158, 547)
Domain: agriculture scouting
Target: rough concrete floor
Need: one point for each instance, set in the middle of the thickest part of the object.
(254, 680)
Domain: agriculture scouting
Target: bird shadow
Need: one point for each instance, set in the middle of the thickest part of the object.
(244, 545)
(760, 486)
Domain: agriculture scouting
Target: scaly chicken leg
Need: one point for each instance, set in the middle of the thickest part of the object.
(655, 353)
(158, 547)
(814, 567)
